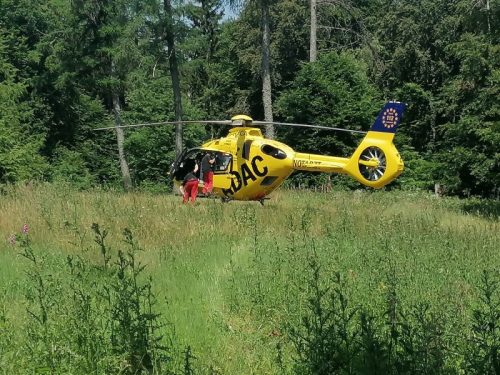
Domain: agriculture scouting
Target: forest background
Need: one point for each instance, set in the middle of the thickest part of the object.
(70, 66)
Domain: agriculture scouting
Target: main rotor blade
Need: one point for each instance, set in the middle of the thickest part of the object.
(307, 126)
(217, 122)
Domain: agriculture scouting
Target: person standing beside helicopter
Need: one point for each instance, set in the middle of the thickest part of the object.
(189, 187)
(207, 169)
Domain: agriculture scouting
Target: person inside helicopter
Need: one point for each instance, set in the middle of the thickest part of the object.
(221, 164)
(186, 164)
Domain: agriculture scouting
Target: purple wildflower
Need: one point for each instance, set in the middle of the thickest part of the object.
(25, 229)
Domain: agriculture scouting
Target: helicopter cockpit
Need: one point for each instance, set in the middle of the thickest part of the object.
(185, 162)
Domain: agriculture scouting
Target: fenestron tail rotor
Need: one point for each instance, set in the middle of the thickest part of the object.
(372, 163)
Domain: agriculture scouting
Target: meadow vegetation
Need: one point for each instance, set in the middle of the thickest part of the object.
(94, 280)
(363, 282)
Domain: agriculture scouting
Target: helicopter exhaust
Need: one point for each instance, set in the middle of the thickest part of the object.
(375, 162)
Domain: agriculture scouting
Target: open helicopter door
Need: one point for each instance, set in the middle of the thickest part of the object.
(222, 168)
(183, 164)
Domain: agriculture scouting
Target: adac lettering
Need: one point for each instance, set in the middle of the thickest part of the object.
(247, 173)
(256, 168)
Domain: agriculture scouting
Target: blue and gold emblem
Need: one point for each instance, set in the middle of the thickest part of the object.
(390, 118)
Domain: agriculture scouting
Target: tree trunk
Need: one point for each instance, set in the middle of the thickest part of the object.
(120, 138)
(488, 15)
(313, 46)
(266, 70)
(174, 73)
(438, 189)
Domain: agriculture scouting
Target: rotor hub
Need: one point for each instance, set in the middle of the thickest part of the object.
(241, 120)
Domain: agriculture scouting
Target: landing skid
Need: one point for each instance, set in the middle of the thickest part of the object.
(262, 200)
(225, 199)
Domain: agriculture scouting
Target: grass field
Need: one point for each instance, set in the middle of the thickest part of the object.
(246, 287)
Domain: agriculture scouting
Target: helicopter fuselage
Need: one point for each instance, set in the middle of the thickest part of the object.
(257, 165)
(249, 166)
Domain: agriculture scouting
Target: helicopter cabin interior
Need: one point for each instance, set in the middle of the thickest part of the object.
(187, 160)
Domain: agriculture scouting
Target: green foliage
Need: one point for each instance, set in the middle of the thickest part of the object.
(418, 174)
(325, 340)
(335, 338)
(91, 319)
(20, 157)
(334, 91)
(445, 69)
(6, 332)
(290, 40)
(419, 121)
(483, 356)
(61, 61)
(400, 274)
(151, 150)
(472, 134)
(201, 46)
(70, 167)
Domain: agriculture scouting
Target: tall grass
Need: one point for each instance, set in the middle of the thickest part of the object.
(88, 318)
(340, 282)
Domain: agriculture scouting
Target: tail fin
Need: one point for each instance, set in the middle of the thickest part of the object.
(389, 118)
(376, 161)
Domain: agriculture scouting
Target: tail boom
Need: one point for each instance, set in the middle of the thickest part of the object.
(319, 163)
(375, 162)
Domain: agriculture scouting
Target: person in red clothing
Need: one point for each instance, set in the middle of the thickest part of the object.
(207, 168)
(190, 186)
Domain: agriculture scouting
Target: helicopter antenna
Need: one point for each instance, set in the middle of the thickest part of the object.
(221, 122)
(308, 126)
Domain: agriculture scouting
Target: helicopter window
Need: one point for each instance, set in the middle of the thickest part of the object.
(268, 180)
(273, 151)
(222, 162)
(246, 149)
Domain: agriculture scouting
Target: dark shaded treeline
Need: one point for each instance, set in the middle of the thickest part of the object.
(65, 66)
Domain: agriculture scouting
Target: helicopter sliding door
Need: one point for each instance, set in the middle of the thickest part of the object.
(222, 171)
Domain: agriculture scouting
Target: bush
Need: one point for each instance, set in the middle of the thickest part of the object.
(92, 318)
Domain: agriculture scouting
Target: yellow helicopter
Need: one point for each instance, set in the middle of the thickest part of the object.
(249, 167)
